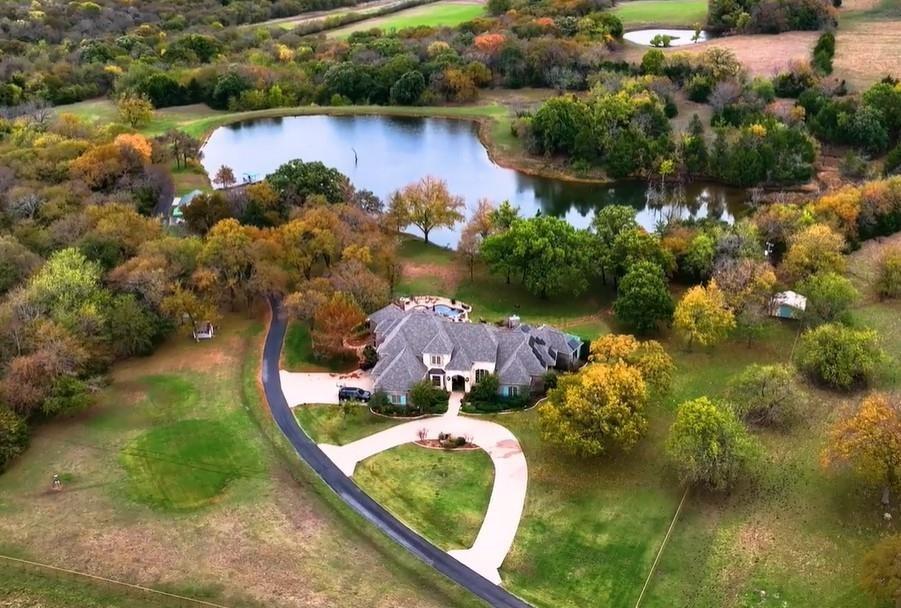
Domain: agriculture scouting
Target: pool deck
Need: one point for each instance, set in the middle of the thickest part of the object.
(430, 302)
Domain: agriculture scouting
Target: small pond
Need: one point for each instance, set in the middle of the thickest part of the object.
(382, 154)
(677, 37)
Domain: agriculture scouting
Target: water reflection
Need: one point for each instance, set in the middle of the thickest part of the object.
(384, 153)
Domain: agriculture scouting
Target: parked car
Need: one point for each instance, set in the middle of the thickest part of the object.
(352, 393)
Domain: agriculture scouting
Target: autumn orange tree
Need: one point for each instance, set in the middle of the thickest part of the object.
(426, 204)
(869, 440)
(648, 356)
(333, 322)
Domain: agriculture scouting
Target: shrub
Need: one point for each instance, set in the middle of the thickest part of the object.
(428, 399)
(485, 389)
(379, 401)
(823, 53)
(838, 356)
(829, 296)
(888, 283)
(699, 88)
(370, 357)
(892, 161)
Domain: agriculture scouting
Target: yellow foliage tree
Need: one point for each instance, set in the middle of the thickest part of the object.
(869, 440)
(703, 316)
(600, 408)
(649, 357)
(816, 249)
(840, 209)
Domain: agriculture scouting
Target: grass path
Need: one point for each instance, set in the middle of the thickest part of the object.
(662, 13)
(433, 15)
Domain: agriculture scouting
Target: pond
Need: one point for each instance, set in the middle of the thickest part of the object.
(677, 37)
(382, 154)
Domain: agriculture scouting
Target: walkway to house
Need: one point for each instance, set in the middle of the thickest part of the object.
(511, 476)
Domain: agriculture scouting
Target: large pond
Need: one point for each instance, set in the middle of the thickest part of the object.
(382, 154)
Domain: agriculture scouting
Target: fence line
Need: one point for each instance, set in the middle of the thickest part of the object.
(660, 551)
(183, 600)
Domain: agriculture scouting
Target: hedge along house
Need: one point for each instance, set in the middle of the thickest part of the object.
(416, 345)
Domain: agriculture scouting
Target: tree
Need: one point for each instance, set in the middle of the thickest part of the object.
(888, 283)
(648, 356)
(183, 146)
(551, 256)
(829, 296)
(504, 216)
(184, 306)
(407, 89)
(765, 395)
(606, 225)
(816, 249)
(598, 409)
(16, 262)
(333, 322)
(869, 440)
(225, 177)
(838, 356)
(426, 204)
(709, 446)
(296, 181)
(882, 570)
(135, 110)
(643, 299)
(469, 247)
(703, 316)
(747, 286)
(205, 211)
(13, 436)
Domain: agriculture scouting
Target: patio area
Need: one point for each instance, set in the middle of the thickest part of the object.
(454, 310)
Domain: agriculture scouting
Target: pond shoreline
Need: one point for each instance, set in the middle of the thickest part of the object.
(520, 161)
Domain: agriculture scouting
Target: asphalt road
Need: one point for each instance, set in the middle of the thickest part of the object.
(352, 495)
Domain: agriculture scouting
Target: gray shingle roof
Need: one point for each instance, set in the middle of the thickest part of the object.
(404, 337)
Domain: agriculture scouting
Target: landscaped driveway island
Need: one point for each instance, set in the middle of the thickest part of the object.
(498, 529)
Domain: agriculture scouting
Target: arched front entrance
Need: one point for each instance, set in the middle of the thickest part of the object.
(458, 383)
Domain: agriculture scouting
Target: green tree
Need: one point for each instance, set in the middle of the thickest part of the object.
(296, 181)
(838, 356)
(596, 410)
(829, 297)
(643, 299)
(766, 395)
(16, 262)
(407, 90)
(205, 211)
(709, 445)
(653, 62)
(606, 225)
(551, 256)
(13, 436)
(426, 204)
(888, 282)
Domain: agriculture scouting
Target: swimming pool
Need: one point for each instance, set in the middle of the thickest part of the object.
(448, 311)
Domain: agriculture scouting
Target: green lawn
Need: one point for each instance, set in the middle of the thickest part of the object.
(645, 13)
(298, 353)
(32, 588)
(442, 495)
(329, 423)
(177, 479)
(434, 15)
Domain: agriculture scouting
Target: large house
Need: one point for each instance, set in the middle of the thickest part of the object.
(414, 345)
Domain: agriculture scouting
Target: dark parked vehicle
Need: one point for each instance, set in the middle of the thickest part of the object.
(352, 393)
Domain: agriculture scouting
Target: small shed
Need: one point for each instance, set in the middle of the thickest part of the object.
(788, 305)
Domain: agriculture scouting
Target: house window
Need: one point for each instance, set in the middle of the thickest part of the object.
(513, 391)
(481, 374)
(436, 359)
(397, 399)
(437, 380)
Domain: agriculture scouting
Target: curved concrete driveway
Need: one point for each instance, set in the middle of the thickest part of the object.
(350, 493)
(511, 476)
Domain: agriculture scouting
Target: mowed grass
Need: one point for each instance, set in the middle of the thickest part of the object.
(331, 424)
(439, 14)
(442, 495)
(645, 13)
(18, 587)
(170, 482)
(297, 355)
